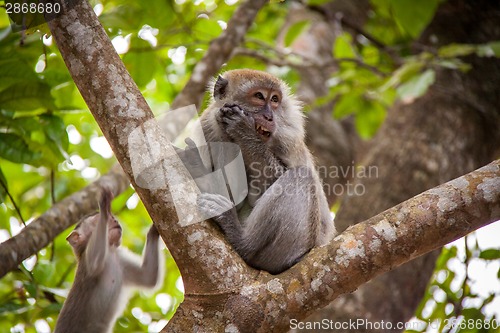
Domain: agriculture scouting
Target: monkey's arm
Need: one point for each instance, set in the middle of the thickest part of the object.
(191, 158)
(98, 247)
(145, 274)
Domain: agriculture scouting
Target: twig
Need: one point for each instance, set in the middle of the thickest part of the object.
(304, 62)
(4, 186)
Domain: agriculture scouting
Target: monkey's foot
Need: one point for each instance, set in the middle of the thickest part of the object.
(212, 205)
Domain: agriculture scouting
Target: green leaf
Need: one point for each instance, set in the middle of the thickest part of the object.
(371, 55)
(491, 49)
(453, 63)
(55, 129)
(369, 118)
(44, 272)
(207, 27)
(295, 30)
(141, 64)
(472, 313)
(315, 2)
(15, 149)
(417, 86)
(490, 254)
(121, 16)
(413, 16)
(403, 73)
(347, 104)
(26, 124)
(456, 50)
(31, 288)
(12, 307)
(445, 256)
(26, 96)
(15, 70)
(53, 309)
(343, 48)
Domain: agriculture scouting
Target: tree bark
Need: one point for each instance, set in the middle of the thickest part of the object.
(42, 231)
(272, 303)
(221, 291)
(447, 132)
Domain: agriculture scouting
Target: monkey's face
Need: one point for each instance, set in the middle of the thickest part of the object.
(79, 237)
(262, 103)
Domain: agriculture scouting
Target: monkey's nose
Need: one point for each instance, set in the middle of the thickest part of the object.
(268, 113)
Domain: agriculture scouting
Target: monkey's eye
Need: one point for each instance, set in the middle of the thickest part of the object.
(259, 95)
(275, 99)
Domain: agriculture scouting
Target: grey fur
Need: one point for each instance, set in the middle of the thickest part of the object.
(286, 212)
(98, 294)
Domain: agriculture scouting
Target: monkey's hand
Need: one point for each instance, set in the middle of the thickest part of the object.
(191, 158)
(153, 232)
(238, 124)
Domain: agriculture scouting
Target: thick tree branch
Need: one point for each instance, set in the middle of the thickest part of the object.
(40, 232)
(121, 112)
(419, 225)
(191, 94)
(398, 235)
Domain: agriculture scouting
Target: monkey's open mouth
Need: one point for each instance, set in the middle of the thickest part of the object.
(262, 131)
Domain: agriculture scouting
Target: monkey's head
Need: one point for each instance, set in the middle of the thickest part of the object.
(79, 238)
(265, 97)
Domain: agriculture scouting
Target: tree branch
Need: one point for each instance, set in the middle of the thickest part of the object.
(191, 94)
(121, 112)
(40, 232)
(417, 226)
(304, 62)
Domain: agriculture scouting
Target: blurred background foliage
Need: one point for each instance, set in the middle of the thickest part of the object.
(50, 146)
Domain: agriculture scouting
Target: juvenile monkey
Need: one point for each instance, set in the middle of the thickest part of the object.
(98, 294)
(285, 213)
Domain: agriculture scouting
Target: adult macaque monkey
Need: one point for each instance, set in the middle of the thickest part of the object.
(285, 213)
(98, 294)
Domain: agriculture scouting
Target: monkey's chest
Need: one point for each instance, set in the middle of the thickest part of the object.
(110, 283)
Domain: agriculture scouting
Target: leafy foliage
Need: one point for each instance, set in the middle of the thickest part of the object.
(452, 302)
(50, 146)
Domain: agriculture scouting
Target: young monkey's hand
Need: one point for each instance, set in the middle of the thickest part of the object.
(153, 232)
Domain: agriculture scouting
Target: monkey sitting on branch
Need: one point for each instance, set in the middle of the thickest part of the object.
(285, 213)
(98, 294)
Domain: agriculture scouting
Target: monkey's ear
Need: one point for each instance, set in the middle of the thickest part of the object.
(73, 238)
(220, 87)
